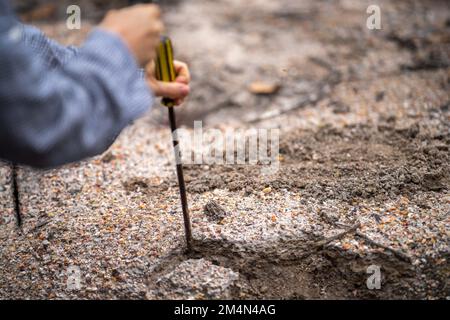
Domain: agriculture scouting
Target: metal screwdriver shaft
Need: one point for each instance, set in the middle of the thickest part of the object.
(165, 71)
(184, 204)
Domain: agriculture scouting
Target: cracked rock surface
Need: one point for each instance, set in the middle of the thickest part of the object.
(363, 175)
(195, 279)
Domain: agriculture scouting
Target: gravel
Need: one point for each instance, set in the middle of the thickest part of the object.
(353, 157)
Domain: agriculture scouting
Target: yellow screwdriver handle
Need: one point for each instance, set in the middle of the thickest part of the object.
(164, 69)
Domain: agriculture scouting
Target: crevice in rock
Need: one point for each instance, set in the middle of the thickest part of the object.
(305, 268)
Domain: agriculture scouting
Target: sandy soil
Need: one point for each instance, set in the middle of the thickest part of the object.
(363, 180)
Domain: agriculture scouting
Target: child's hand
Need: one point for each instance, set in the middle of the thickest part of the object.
(177, 90)
(139, 27)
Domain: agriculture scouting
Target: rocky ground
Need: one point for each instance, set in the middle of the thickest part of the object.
(363, 179)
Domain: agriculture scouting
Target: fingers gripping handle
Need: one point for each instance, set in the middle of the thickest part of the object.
(164, 69)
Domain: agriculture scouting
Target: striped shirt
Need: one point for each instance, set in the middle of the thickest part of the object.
(63, 104)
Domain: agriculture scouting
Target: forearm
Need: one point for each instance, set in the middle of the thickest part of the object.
(52, 53)
(72, 112)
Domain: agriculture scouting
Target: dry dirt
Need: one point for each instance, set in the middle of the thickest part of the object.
(364, 173)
